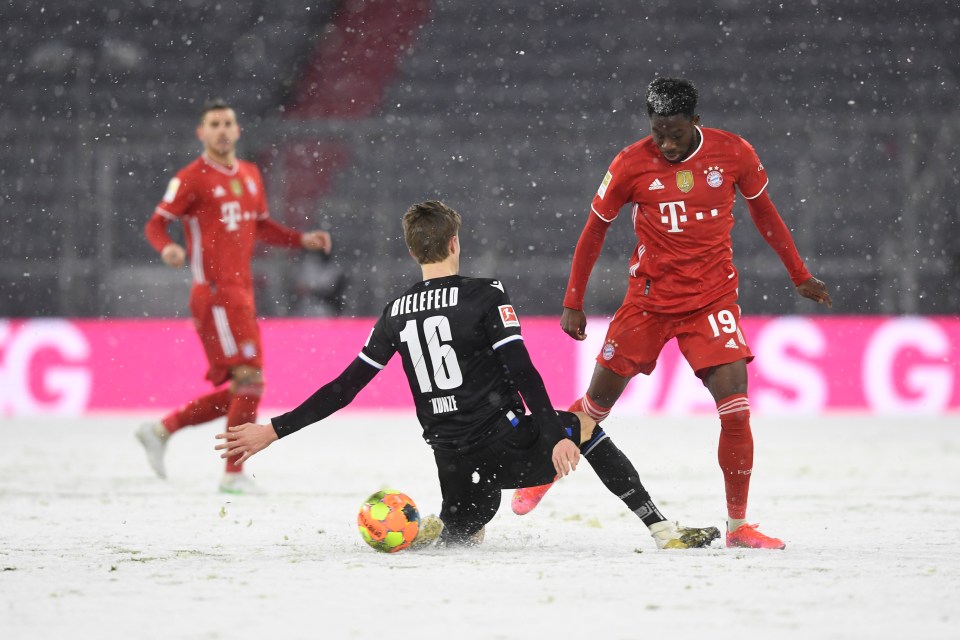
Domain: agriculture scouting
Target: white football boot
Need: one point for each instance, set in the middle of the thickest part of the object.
(153, 436)
(430, 529)
(239, 484)
(669, 535)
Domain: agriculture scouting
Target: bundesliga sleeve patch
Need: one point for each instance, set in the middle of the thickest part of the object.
(508, 316)
(602, 191)
(172, 189)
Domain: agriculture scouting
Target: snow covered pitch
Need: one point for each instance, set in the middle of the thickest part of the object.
(93, 546)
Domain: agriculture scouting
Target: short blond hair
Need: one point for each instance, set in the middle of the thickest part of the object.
(427, 229)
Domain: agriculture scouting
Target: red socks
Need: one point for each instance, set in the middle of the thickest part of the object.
(591, 408)
(239, 407)
(199, 410)
(243, 408)
(735, 452)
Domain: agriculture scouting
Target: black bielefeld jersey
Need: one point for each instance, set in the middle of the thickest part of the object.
(447, 331)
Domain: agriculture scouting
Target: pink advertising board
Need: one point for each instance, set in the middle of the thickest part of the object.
(883, 365)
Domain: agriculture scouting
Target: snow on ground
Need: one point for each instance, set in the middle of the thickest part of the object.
(93, 546)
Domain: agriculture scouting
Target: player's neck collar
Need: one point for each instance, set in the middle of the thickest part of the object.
(436, 274)
(699, 146)
(225, 170)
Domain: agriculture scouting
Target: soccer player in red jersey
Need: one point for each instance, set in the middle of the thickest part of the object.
(221, 202)
(681, 182)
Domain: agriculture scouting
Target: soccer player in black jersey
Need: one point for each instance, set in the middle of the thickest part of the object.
(472, 381)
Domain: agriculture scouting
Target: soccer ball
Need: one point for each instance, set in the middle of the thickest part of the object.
(388, 521)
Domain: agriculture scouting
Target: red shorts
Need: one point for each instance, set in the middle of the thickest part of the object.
(707, 337)
(226, 320)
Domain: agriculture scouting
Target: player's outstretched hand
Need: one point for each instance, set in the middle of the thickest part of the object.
(317, 241)
(815, 290)
(173, 255)
(566, 455)
(244, 440)
(574, 323)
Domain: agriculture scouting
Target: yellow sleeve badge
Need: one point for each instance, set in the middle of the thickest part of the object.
(603, 185)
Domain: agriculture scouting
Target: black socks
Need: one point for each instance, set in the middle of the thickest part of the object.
(619, 476)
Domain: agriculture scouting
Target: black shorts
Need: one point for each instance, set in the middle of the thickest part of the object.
(471, 483)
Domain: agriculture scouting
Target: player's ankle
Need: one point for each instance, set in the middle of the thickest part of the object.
(735, 523)
(167, 426)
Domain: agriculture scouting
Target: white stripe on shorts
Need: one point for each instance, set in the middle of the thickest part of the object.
(196, 252)
(227, 343)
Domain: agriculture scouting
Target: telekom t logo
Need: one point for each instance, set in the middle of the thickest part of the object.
(677, 213)
(231, 215)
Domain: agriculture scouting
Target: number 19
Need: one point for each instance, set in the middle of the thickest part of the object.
(727, 322)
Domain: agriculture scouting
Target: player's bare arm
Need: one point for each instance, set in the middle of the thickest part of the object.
(317, 241)
(173, 255)
(815, 290)
(574, 323)
(245, 440)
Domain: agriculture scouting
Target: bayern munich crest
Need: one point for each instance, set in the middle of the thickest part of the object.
(714, 176)
(608, 350)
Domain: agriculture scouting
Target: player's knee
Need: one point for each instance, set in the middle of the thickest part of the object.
(246, 377)
(606, 387)
(464, 518)
(726, 380)
(587, 426)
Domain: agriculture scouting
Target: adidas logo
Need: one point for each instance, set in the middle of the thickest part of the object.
(731, 344)
(219, 192)
(656, 184)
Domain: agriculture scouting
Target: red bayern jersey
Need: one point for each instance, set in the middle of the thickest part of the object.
(682, 214)
(224, 211)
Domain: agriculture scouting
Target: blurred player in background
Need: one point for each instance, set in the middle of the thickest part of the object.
(221, 202)
(682, 181)
(470, 375)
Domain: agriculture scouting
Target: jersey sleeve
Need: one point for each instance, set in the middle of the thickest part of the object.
(263, 210)
(500, 320)
(177, 199)
(614, 191)
(379, 348)
(269, 230)
(773, 229)
(753, 177)
(584, 258)
(279, 235)
(329, 398)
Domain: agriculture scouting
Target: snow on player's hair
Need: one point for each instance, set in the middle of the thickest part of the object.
(671, 96)
(214, 104)
(427, 229)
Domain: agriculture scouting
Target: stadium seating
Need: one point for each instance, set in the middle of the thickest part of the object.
(508, 111)
(97, 109)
